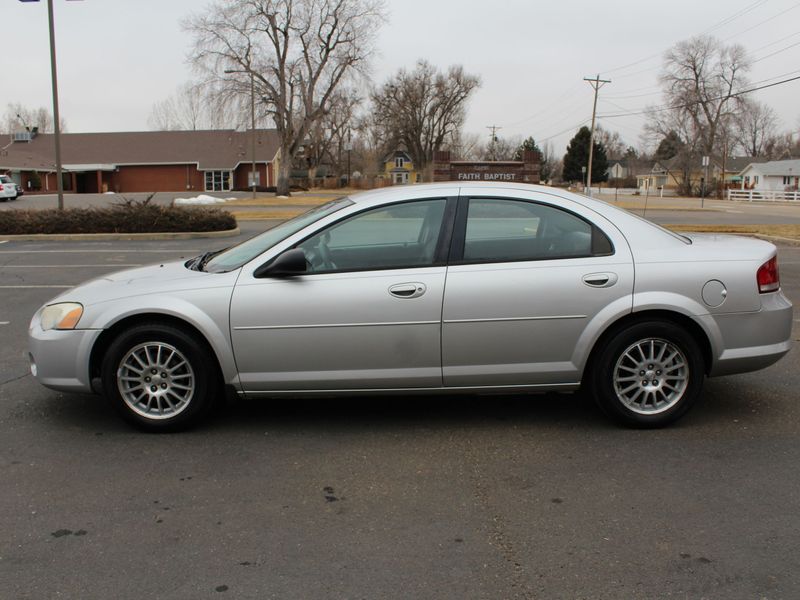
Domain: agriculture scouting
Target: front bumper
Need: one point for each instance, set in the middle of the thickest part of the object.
(60, 358)
(752, 341)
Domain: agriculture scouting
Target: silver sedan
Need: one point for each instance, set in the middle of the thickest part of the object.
(426, 289)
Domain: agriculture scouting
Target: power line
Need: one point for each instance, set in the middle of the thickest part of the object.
(783, 39)
(556, 102)
(689, 104)
(725, 21)
(568, 129)
(776, 52)
(767, 20)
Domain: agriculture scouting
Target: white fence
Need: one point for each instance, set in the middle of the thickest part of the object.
(763, 196)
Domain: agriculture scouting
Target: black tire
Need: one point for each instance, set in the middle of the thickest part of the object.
(162, 402)
(637, 396)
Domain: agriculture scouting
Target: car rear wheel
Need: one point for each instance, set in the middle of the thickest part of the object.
(159, 377)
(648, 374)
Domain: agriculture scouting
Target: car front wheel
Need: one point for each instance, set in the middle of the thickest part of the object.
(648, 374)
(159, 377)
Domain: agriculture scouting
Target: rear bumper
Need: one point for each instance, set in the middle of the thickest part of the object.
(752, 341)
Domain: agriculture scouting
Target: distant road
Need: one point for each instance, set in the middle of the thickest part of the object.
(661, 210)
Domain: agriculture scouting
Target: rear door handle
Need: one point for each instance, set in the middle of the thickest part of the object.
(407, 290)
(600, 280)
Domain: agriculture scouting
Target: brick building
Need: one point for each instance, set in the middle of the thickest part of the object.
(523, 171)
(145, 161)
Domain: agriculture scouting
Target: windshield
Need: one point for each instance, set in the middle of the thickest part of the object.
(235, 256)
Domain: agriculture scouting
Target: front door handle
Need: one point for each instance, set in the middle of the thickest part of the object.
(407, 290)
(600, 280)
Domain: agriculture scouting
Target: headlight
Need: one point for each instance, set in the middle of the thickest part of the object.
(64, 315)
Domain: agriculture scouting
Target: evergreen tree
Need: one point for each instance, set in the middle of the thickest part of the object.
(529, 144)
(577, 156)
(669, 146)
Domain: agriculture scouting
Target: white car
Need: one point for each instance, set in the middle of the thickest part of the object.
(8, 189)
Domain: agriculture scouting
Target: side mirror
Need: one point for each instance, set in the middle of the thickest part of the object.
(291, 262)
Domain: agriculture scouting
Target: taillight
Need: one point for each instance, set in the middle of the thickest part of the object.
(767, 277)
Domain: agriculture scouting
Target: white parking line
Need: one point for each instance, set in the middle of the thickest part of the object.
(26, 287)
(3, 241)
(5, 322)
(112, 266)
(104, 251)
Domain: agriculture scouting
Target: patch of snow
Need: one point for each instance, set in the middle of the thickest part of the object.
(202, 199)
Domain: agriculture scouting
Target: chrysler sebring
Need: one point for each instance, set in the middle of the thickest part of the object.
(475, 287)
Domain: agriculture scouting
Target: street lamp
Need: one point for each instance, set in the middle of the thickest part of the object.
(252, 122)
(56, 117)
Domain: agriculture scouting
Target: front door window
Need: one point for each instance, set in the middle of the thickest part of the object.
(392, 237)
(218, 181)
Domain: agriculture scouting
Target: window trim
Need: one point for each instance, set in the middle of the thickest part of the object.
(460, 234)
(440, 255)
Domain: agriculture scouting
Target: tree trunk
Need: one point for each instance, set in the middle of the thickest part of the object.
(284, 172)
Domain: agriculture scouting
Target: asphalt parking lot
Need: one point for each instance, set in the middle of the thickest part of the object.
(462, 497)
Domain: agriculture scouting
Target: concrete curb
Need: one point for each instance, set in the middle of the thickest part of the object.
(101, 237)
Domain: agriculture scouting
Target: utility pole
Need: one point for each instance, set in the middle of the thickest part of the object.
(596, 83)
(56, 115)
(493, 142)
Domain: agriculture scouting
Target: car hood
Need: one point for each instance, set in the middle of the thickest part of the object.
(160, 278)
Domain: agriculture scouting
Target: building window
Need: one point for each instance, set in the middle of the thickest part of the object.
(755, 179)
(787, 180)
(399, 162)
(218, 181)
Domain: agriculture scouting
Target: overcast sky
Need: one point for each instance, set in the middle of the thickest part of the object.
(118, 57)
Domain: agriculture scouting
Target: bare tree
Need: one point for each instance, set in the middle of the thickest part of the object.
(782, 146)
(291, 55)
(187, 108)
(466, 146)
(330, 137)
(611, 141)
(550, 167)
(755, 127)
(423, 109)
(191, 108)
(19, 118)
(500, 148)
(701, 79)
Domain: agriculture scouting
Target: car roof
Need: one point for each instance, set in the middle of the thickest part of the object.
(418, 189)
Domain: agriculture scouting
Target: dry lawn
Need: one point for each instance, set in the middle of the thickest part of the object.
(787, 232)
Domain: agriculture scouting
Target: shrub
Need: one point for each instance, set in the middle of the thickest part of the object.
(130, 217)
